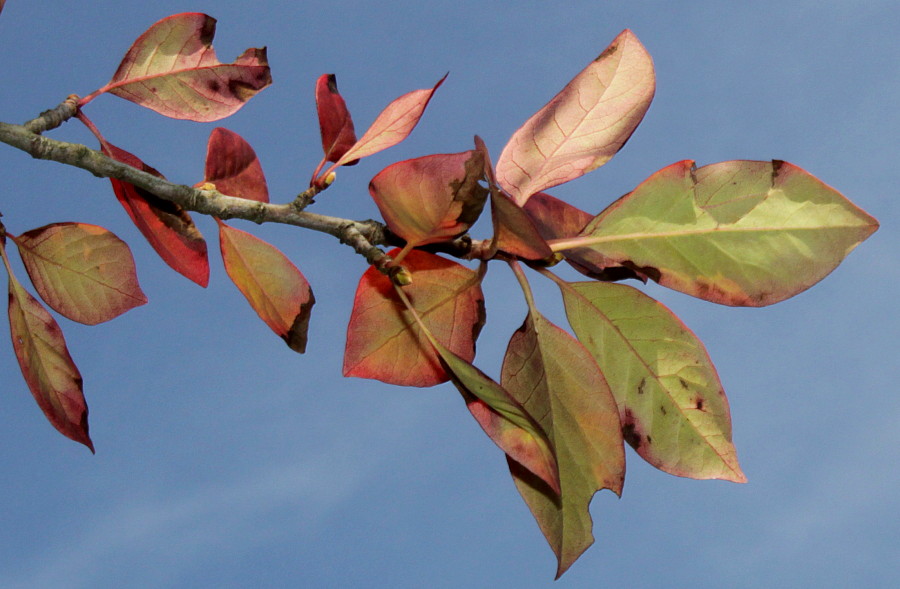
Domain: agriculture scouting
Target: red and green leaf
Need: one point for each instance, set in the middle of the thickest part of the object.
(737, 233)
(392, 126)
(173, 69)
(274, 287)
(557, 380)
(383, 340)
(584, 125)
(166, 226)
(232, 165)
(45, 362)
(82, 271)
(335, 123)
(673, 410)
(430, 199)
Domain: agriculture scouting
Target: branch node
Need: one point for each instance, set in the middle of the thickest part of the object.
(53, 118)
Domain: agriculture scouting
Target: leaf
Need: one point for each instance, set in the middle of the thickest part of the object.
(430, 199)
(82, 271)
(335, 123)
(383, 340)
(557, 219)
(736, 233)
(392, 126)
(2, 2)
(232, 165)
(499, 414)
(45, 362)
(584, 125)
(164, 224)
(514, 231)
(172, 68)
(274, 287)
(504, 420)
(556, 379)
(673, 410)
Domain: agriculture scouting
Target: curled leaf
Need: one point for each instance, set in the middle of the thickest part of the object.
(335, 123)
(166, 226)
(172, 68)
(392, 125)
(232, 165)
(584, 125)
(430, 199)
(82, 271)
(383, 340)
(44, 359)
(737, 233)
(274, 287)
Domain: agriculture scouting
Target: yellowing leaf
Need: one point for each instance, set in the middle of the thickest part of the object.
(274, 287)
(431, 199)
(736, 233)
(584, 125)
(172, 69)
(45, 362)
(558, 381)
(392, 125)
(671, 403)
(232, 165)
(82, 271)
(383, 340)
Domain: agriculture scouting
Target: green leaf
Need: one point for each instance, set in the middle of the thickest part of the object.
(584, 125)
(556, 379)
(383, 340)
(671, 404)
(82, 271)
(274, 287)
(736, 233)
(44, 359)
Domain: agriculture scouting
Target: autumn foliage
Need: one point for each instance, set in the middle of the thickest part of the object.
(739, 233)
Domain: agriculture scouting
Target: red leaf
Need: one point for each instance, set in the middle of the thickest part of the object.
(82, 271)
(167, 227)
(45, 362)
(335, 123)
(383, 340)
(274, 287)
(172, 69)
(232, 165)
(392, 126)
(584, 125)
(514, 231)
(430, 199)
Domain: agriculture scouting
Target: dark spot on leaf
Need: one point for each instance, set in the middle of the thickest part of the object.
(699, 404)
(683, 383)
(776, 169)
(214, 86)
(332, 84)
(662, 410)
(640, 389)
(649, 271)
(607, 52)
(649, 440)
(208, 31)
(629, 431)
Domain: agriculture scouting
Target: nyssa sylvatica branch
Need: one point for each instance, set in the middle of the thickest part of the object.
(362, 236)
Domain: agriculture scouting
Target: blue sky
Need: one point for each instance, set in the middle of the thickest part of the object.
(226, 460)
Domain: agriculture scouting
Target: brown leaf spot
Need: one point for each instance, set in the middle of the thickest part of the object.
(214, 86)
(607, 52)
(699, 404)
(683, 383)
(662, 410)
(649, 271)
(640, 389)
(629, 430)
